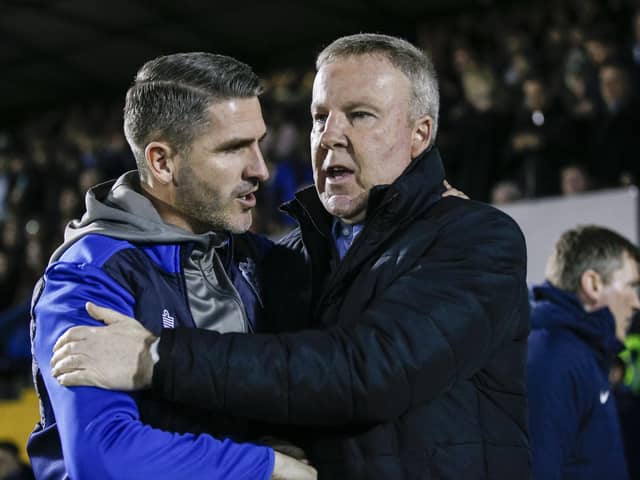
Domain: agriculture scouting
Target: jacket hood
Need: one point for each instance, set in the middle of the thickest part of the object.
(558, 309)
(117, 209)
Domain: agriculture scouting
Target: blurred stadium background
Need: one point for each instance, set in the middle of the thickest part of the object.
(539, 110)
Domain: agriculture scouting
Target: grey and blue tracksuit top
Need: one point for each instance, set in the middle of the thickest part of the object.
(122, 255)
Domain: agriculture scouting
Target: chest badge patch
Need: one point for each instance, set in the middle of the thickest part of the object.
(248, 270)
(604, 396)
(167, 320)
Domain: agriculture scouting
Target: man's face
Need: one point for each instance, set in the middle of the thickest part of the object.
(612, 85)
(361, 135)
(534, 95)
(573, 180)
(621, 295)
(216, 180)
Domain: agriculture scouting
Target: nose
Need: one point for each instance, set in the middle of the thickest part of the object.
(333, 135)
(257, 168)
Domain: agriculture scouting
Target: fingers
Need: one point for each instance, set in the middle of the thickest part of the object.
(74, 378)
(67, 364)
(74, 334)
(105, 315)
(452, 192)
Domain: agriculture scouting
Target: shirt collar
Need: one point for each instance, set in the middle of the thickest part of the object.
(344, 234)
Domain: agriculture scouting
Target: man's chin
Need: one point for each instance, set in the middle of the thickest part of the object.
(241, 224)
(345, 209)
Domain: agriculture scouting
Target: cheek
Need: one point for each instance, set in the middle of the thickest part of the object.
(317, 154)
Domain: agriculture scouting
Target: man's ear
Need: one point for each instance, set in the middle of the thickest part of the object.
(161, 161)
(422, 133)
(591, 286)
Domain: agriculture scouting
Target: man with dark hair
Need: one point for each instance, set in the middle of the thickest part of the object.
(580, 317)
(155, 244)
(414, 307)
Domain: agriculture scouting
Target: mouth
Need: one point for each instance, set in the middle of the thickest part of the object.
(247, 200)
(337, 174)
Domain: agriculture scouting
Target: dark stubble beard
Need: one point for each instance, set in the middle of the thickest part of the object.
(200, 202)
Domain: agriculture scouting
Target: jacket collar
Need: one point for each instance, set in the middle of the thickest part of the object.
(419, 186)
(558, 309)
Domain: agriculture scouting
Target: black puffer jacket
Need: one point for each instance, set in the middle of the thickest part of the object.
(412, 361)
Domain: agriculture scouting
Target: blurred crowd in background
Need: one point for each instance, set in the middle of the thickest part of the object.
(536, 100)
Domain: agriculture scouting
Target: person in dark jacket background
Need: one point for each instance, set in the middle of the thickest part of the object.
(407, 314)
(580, 316)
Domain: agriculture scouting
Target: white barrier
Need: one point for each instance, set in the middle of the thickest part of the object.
(544, 220)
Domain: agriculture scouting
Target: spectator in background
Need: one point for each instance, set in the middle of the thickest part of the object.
(615, 140)
(574, 179)
(475, 159)
(579, 104)
(541, 136)
(505, 192)
(11, 467)
(579, 319)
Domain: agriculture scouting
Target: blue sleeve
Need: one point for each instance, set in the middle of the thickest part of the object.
(555, 406)
(101, 433)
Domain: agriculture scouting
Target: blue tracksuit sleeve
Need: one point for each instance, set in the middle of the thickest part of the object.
(555, 406)
(101, 432)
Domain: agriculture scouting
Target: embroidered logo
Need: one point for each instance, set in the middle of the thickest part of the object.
(167, 320)
(604, 396)
(248, 270)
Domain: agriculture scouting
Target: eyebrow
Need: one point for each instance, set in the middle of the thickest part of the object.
(349, 106)
(360, 104)
(236, 143)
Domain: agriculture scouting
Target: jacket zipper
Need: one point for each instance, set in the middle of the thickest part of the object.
(234, 295)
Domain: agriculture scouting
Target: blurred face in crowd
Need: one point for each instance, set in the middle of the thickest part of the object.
(534, 95)
(478, 90)
(577, 85)
(573, 180)
(613, 86)
(216, 180)
(597, 51)
(620, 294)
(463, 60)
(362, 133)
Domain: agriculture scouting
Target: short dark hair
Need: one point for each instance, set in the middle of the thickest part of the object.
(587, 247)
(170, 95)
